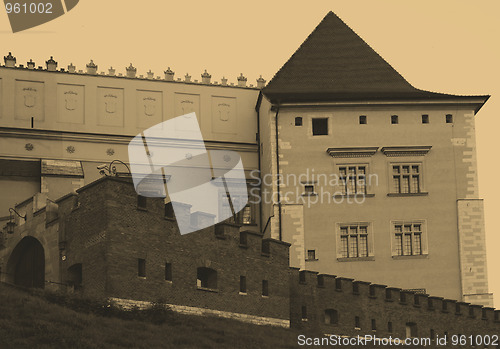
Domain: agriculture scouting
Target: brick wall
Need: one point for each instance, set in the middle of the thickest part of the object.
(350, 299)
(108, 233)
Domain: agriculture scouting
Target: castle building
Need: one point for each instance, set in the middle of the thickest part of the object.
(106, 241)
(364, 175)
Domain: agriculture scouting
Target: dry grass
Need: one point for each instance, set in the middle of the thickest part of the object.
(29, 320)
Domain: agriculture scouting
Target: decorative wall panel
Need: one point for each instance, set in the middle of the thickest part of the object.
(149, 108)
(29, 100)
(71, 103)
(224, 115)
(186, 103)
(110, 106)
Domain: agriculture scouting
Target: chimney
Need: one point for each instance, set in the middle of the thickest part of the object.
(261, 82)
(151, 75)
(131, 71)
(205, 78)
(51, 64)
(111, 71)
(187, 77)
(223, 81)
(91, 68)
(169, 74)
(31, 64)
(242, 81)
(10, 60)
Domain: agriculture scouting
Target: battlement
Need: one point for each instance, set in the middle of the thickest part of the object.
(316, 297)
(131, 73)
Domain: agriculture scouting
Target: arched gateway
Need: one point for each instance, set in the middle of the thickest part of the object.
(26, 266)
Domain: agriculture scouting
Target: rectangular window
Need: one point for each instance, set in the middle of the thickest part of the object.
(311, 255)
(406, 178)
(298, 121)
(389, 327)
(141, 267)
(265, 288)
(362, 119)
(353, 179)
(304, 312)
(425, 119)
(374, 325)
(243, 239)
(353, 241)
(243, 284)
(394, 119)
(245, 216)
(357, 322)
(320, 126)
(408, 239)
(449, 119)
(168, 271)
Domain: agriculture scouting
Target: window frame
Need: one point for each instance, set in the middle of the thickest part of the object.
(424, 249)
(344, 185)
(328, 126)
(370, 250)
(421, 178)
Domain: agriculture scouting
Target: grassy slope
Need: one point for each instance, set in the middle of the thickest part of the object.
(30, 321)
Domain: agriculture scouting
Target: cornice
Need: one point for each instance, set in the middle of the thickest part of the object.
(51, 135)
(352, 152)
(418, 150)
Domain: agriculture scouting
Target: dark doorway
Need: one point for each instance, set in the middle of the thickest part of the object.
(26, 266)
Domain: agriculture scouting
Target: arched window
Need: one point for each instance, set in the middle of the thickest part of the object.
(206, 278)
(331, 317)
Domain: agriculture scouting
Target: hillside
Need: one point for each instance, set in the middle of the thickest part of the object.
(29, 320)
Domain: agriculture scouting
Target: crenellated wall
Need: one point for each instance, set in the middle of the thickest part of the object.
(376, 306)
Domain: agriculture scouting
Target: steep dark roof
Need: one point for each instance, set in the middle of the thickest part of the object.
(335, 64)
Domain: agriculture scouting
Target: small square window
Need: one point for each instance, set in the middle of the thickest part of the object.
(298, 121)
(141, 267)
(168, 271)
(308, 189)
(311, 255)
(362, 119)
(394, 119)
(265, 288)
(141, 202)
(425, 119)
(449, 119)
(320, 127)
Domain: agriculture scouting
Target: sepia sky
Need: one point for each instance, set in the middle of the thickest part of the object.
(449, 46)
